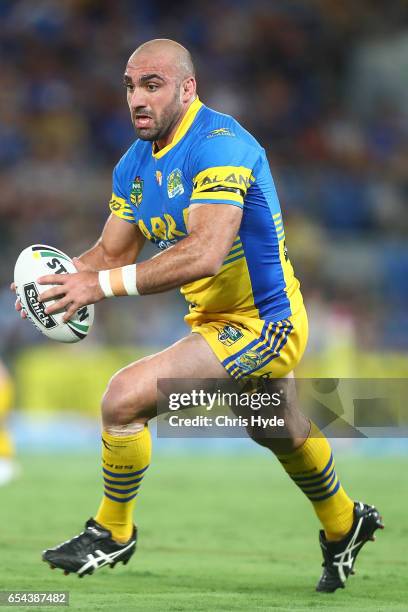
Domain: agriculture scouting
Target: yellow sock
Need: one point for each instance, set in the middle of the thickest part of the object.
(311, 467)
(6, 400)
(6, 444)
(125, 460)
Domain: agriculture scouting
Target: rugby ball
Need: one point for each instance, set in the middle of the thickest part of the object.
(38, 260)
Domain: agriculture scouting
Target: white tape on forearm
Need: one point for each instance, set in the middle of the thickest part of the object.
(104, 281)
(129, 279)
(119, 281)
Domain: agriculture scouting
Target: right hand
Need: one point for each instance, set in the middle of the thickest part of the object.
(18, 305)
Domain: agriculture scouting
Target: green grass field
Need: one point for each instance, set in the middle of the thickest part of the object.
(216, 533)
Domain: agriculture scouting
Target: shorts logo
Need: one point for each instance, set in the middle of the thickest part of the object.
(249, 360)
(229, 334)
(136, 193)
(175, 183)
(220, 132)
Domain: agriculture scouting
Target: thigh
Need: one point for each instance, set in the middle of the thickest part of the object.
(135, 386)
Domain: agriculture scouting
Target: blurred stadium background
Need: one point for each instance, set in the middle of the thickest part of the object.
(321, 83)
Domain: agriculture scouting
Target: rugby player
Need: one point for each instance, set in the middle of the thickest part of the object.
(198, 185)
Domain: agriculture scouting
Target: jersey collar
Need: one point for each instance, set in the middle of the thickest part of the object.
(182, 128)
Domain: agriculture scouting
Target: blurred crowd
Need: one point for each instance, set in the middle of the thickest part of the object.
(321, 83)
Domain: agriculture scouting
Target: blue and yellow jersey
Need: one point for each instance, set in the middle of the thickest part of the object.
(213, 160)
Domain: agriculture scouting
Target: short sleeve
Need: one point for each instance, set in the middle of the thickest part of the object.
(222, 170)
(118, 204)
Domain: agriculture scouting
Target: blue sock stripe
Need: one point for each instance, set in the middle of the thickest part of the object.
(322, 497)
(322, 489)
(117, 499)
(120, 490)
(119, 483)
(305, 486)
(300, 479)
(128, 475)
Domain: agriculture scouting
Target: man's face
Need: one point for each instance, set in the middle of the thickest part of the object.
(153, 96)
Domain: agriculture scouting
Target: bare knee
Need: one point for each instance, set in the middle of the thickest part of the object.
(285, 439)
(124, 401)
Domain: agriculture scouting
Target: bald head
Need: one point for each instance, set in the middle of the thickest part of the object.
(172, 56)
(160, 84)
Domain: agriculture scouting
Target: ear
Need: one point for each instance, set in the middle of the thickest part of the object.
(188, 89)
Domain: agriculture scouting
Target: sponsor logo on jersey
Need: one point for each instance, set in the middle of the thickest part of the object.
(36, 308)
(136, 193)
(240, 180)
(249, 360)
(159, 178)
(229, 335)
(220, 132)
(175, 185)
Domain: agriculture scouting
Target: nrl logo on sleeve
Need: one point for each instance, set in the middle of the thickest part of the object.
(136, 193)
(175, 185)
(229, 334)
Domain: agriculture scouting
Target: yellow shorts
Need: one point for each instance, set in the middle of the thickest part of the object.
(248, 346)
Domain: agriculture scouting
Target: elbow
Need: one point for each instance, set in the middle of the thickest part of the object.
(205, 258)
(117, 259)
(210, 265)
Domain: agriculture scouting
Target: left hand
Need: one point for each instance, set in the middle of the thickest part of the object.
(75, 290)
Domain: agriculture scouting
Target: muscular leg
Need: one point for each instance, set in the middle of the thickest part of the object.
(132, 392)
(305, 454)
(129, 402)
(296, 426)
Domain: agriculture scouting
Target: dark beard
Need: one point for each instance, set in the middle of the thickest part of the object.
(151, 134)
(160, 131)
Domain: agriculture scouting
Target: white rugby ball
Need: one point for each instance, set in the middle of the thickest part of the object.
(38, 260)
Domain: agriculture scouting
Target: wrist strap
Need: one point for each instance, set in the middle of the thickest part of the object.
(118, 281)
(104, 282)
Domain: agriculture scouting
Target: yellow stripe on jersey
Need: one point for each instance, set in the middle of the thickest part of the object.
(279, 226)
(182, 128)
(217, 196)
(121, 208)
(209, 183)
